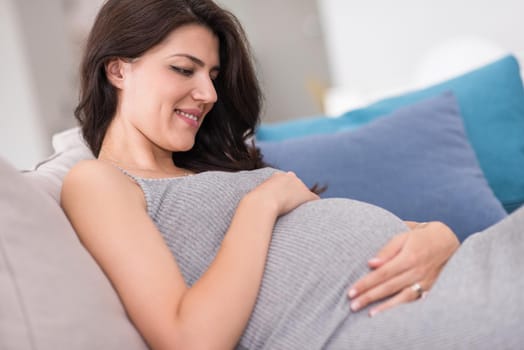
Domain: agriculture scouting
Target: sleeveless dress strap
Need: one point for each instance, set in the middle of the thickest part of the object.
(135, 178)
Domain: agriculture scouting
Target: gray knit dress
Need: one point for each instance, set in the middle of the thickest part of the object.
(319, 249)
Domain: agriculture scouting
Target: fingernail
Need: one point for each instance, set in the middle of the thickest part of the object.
(373, 312)
(352, 292)
(355, 305)
(374, 260)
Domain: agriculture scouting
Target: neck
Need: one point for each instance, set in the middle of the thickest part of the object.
(128, 148)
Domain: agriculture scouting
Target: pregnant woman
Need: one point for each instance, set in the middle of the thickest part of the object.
(209, 248)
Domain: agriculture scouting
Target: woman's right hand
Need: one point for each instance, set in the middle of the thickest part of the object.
(284, 191)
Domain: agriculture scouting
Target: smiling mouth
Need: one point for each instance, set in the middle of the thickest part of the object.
(187, 115)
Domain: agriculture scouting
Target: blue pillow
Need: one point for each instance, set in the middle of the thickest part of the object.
(417, 163)
(491, 101)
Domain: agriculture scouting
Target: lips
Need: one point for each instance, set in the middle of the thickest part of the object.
(191, 116)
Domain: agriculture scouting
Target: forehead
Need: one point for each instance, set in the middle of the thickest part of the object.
(194, 39)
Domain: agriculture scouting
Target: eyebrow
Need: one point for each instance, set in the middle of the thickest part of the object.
(194, 59)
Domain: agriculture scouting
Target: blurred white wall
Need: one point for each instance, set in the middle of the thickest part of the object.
(288, 45)
(379, 46)
(37, 89)
(21, 131)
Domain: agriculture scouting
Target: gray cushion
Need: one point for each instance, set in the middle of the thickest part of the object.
(53, 295)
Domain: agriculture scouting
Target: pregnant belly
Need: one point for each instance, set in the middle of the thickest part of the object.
(317, 251)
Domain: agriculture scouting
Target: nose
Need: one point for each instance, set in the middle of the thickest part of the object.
(205, 90)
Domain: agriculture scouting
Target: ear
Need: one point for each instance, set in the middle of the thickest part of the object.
(115, 72)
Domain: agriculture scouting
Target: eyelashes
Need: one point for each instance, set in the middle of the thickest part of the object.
(183, 71)
(189, 72)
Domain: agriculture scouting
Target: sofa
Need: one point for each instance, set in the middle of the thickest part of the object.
(452, 152)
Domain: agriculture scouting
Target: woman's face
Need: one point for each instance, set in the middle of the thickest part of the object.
(166, 93)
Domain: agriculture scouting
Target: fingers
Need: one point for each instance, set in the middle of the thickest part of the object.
(411, 224)
(406, 295)
(389, 251)
(388, 270)
(298, 182)
(286, 191)
(390, 287)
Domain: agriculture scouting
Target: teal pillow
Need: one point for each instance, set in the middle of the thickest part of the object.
(491, 101)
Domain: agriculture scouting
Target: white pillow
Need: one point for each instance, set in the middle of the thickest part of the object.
(70, 148)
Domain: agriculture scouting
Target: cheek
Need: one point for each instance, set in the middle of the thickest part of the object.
(153, 95)
(161, 93)
(147, 96)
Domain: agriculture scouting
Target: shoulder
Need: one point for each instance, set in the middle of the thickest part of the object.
(97, 180)
(93, 168)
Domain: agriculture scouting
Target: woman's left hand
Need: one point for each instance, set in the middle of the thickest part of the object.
(405, 268)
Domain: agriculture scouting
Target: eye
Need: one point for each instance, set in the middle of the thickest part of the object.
(185, 72)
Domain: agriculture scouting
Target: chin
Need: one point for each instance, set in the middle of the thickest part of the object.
(183, 148)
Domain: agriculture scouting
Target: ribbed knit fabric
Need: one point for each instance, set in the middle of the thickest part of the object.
(317, 251)
(477, 302)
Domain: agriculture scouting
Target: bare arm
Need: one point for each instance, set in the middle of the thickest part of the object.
(108, 213)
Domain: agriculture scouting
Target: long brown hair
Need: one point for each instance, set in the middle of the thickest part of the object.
(129, 28)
